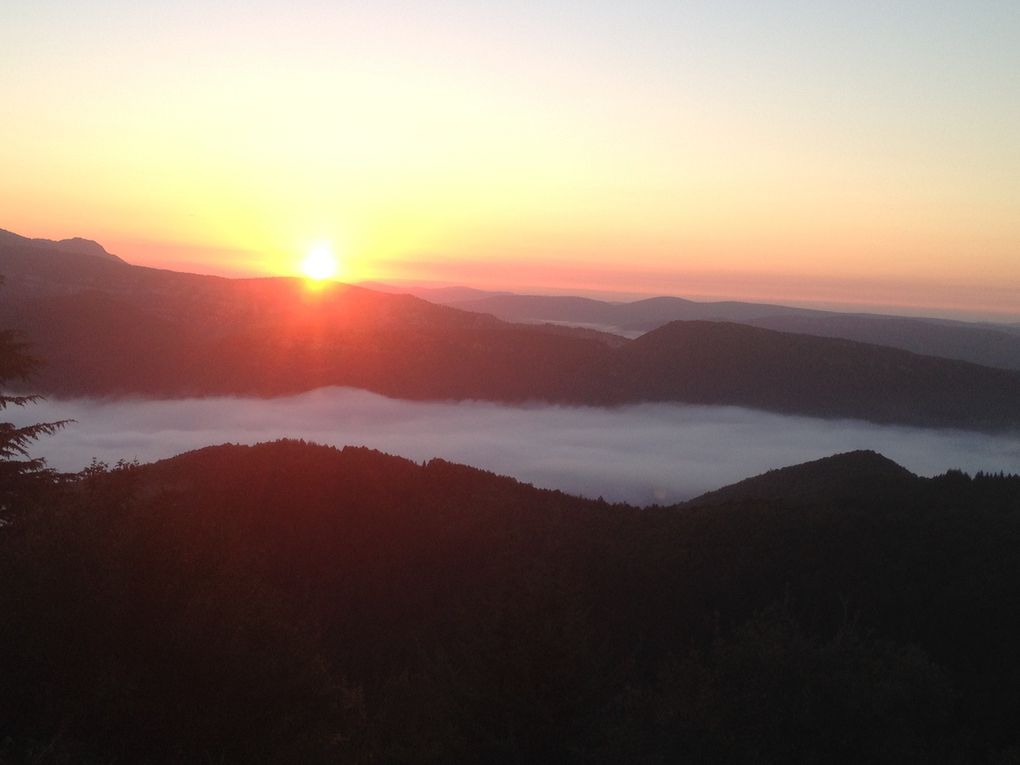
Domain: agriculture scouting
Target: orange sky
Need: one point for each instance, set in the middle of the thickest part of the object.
(866, 155)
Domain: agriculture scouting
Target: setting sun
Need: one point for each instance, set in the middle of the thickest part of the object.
(320, 263)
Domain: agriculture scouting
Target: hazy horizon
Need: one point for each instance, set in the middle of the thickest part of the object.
(832, 153)
(605, 293)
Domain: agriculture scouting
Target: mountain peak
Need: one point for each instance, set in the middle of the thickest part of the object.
(840, 477)
(75, 245)
(79, 245)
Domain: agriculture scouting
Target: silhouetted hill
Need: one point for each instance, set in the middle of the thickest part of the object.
(837, 478)
(272, 339)
(76, 245)
(980, 343)
(721, 363)
(635, 316)
(108, 328)
(992, 346)
(267, 336)
(558, 308)
(294, 603)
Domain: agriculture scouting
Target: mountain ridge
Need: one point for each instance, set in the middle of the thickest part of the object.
(188, 334)
(978, 342)
(75, 245)
(722, 362)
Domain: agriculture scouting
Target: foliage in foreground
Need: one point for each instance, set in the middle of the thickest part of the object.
(294, 603)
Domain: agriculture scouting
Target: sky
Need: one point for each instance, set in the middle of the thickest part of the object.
(852, 153)
(642, 454)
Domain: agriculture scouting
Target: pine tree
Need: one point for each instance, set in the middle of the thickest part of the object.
(18, 469)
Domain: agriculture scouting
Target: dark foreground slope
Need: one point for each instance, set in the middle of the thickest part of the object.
(294, 603)
(108, 328)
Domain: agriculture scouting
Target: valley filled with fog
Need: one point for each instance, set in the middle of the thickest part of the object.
(643, 454)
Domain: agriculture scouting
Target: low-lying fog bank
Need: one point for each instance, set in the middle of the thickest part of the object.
(641, 454)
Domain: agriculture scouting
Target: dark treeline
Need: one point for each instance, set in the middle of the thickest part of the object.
(296, 603)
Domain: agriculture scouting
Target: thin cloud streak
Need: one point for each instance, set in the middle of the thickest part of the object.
(642, 454)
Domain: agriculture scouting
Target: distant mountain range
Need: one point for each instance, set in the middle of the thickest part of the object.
(441, 295)
(996, 345)
(108, 328)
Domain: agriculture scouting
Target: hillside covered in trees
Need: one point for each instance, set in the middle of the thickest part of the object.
(297, 603)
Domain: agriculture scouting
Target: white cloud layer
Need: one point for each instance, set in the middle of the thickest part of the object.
(642, 454)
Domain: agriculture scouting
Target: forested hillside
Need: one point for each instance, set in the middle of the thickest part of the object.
(296, 603)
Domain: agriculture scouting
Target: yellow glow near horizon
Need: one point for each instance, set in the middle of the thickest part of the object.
(681, 148)
(320, 263)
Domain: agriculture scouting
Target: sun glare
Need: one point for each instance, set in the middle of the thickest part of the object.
(320, 263)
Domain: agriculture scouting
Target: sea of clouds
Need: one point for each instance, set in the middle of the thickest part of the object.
(642, 454)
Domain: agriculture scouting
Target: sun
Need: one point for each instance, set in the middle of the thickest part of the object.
(320, 263)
